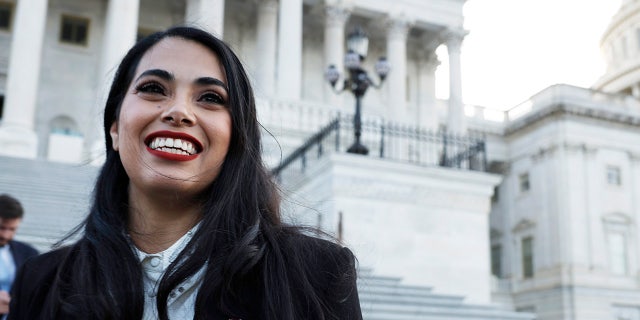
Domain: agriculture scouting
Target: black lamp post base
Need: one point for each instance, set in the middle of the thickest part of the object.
(358, 148)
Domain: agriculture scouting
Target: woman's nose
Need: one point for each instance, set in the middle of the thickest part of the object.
(180, 114)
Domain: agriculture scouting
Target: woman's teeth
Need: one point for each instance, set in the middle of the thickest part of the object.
(171, 145)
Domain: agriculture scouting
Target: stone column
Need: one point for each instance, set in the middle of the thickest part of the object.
(335, 19)
(634, 186)
(17, 135)
(206, 14)
(456, 118)
(121, 29)
(593, 175)
(289, 78)
(428, 113)
(397, 30)
(267, 46)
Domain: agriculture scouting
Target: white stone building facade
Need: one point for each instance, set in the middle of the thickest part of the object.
(565, 220)
(560, 232)
(285, 56)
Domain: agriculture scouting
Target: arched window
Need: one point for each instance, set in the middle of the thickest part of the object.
(64, 125)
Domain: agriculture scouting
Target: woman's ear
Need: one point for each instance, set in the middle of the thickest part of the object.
(113, 132)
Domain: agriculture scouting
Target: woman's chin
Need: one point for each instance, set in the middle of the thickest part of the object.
(174, 187)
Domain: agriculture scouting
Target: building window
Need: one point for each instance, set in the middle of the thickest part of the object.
(74, 30)
(523, 181)
(6, 15)
(495, 197)
(528, 309)
(613, 176)
(618, 253)
(496, 256)
(527, 257)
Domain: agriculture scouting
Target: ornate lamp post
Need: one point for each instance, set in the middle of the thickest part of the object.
(358, 80)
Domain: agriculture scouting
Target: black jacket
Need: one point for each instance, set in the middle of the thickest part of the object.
(334, 280)
(21, 252)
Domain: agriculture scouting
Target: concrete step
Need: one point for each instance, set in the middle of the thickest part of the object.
(55, 196)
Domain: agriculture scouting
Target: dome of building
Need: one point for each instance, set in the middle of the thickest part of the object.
(620, 46)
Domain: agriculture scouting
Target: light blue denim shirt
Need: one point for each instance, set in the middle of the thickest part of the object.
(181, 302)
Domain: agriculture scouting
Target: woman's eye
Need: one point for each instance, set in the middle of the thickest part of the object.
(211, 97)
(152, 88)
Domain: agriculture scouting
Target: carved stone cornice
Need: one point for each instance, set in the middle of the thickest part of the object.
(267, 6)
(432, 62)
(368, 188)
(523, 225)
(544, 153)
(580, 147)
(561, 109)
(430, 41)
(398, 27)
(427, 59)
(336, 15)
(453, 38)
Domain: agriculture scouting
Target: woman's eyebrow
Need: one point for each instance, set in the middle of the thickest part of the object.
(205, 81)
(162, 74)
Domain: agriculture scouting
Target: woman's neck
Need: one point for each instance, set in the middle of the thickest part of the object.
(155, 224)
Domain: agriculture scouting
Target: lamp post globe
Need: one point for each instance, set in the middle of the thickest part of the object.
(358, 42)
(357, 81)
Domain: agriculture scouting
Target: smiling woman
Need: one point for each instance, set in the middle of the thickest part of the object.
(185, 222)
(170, 102)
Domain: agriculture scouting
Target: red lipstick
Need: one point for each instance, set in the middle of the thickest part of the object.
(174, 135)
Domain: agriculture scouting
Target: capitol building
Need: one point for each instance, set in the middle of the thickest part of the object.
(454, 211)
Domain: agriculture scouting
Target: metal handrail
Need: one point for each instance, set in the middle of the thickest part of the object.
(398, 143)
(301, 151)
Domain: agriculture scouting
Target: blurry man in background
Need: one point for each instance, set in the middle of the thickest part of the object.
(12, 253)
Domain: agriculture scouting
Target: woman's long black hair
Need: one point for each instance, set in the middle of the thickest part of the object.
(241, 239)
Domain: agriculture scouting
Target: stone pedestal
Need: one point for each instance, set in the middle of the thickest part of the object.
(18, 141)
(65, 148)
(427, 225)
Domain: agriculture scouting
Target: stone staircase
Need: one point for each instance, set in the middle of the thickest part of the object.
(386, 298)
(56, 198)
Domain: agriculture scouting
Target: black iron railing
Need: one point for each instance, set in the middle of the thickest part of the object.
(316, 140)
(394, 142)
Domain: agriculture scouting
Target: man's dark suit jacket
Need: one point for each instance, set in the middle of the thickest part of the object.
(21, 252)
(334, 277)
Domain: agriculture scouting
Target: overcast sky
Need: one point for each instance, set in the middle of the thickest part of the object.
(516, 48)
